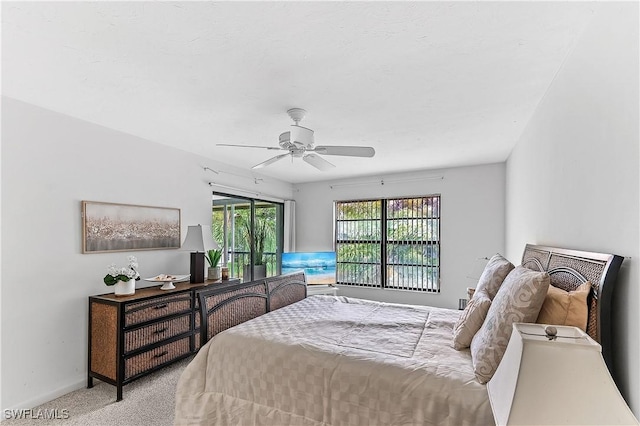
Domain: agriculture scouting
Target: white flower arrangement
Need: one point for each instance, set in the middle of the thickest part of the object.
(129, 272)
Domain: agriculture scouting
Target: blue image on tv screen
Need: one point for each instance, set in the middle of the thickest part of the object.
(319, 267)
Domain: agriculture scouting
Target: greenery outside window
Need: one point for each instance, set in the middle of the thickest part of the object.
(389, 243)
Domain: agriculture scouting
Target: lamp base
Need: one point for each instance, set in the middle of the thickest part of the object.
(197, 268)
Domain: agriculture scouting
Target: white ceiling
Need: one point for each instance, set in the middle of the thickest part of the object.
(428, 84)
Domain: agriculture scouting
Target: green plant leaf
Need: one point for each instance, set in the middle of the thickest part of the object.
(213, 257)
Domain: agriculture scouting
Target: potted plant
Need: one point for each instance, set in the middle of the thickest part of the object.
(264, 224)
(213, 258)
(124, 279)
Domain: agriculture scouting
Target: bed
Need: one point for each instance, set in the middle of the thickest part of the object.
(332, 360)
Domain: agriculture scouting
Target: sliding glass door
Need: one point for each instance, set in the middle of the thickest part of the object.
(250, 231)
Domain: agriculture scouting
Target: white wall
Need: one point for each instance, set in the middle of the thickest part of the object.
(50, 163)
(472, 224)
(573, 179)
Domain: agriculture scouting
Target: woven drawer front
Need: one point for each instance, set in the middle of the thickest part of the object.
(155, 357)
(135, 313)
(153, 333)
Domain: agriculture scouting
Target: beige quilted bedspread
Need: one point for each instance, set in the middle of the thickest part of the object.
(330, 360)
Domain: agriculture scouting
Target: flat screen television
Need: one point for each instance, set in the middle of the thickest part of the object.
(319, 266)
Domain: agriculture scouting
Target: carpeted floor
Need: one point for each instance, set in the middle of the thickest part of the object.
(146, 401)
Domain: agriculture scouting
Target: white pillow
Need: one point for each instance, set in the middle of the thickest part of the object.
(470, 320)
(518, 300)
(493, 275)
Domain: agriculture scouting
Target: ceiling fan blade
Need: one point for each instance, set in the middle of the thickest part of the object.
(250, 146)
(351, 151)
(270, 161)
(318, 162)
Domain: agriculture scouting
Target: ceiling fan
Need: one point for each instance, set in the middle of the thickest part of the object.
(299, 142)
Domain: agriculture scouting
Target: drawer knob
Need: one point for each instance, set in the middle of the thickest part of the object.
(162, 330)
(161, 354)
(160, 306)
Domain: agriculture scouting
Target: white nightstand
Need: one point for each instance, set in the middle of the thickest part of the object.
(321, 289)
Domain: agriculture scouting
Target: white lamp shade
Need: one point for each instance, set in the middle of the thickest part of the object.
(199, 239)
(555, 382)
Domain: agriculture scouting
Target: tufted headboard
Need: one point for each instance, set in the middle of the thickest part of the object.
(568, 269)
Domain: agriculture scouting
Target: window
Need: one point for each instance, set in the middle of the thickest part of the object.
(251, 234)
(389, 243)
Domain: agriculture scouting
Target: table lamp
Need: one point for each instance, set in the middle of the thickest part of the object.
(197, 241)
(555, 375)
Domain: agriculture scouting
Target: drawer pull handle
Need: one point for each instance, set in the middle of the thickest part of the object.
(160, 306)
(161, 354)
(162, 330)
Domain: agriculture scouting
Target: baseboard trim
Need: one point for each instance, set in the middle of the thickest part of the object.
(46, 397)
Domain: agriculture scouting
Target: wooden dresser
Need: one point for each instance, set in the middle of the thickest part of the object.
(131, 336)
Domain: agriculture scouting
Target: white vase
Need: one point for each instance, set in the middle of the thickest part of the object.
(125, 288)
(213, 273)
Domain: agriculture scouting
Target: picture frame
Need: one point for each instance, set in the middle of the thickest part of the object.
(110, 227)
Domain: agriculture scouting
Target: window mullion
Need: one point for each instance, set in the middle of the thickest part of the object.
(383, 243)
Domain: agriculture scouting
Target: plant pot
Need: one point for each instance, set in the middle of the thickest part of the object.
(259, 271)
(125, 288)
(213, 273)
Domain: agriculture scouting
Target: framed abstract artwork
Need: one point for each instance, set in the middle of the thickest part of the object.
(110, 227)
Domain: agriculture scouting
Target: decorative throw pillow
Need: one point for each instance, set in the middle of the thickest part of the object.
(518, 300)
(566, 307)
(470, 320)
(493, 275)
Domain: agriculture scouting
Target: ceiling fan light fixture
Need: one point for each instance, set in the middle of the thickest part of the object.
(285, 139)
(302, 135)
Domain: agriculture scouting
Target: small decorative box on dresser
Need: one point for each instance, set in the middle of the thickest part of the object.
(131, 336)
